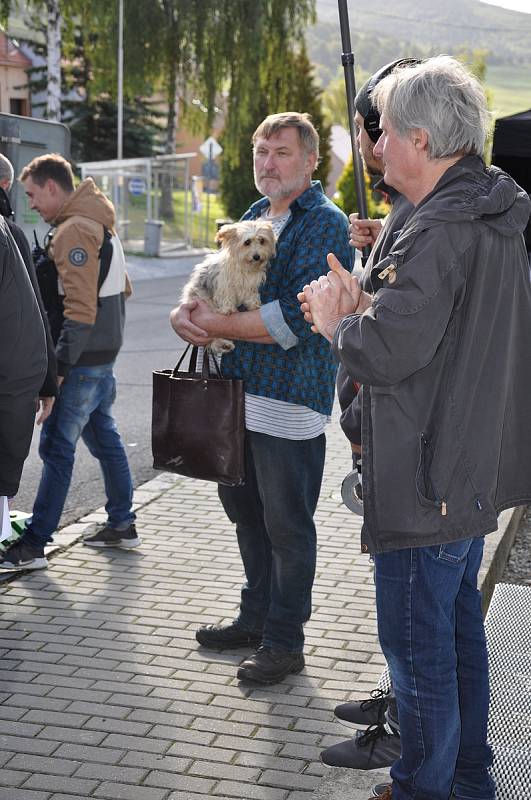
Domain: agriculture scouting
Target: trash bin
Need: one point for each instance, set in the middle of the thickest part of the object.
(152, 237)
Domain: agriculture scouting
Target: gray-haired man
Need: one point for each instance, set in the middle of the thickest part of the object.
(439, 350)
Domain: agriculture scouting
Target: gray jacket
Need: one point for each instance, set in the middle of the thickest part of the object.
(443, 354)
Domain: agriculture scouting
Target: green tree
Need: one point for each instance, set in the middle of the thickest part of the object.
(335, 98)
(94, 130)
(476, 62)
(296, 90)
(346, 194)
(303, 94)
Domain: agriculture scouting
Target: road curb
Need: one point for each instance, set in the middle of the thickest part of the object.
(64, 538)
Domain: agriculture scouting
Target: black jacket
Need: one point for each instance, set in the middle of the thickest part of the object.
(49, 387)
(23, 362)
(443, 355)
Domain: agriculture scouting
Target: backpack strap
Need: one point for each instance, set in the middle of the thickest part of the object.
(105, 254)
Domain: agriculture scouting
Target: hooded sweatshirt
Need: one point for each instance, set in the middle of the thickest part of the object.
(93, 322)
(443, 355)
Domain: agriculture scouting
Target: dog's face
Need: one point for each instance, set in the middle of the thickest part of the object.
(251, 242)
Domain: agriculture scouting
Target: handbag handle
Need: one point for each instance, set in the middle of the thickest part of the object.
(206, 372)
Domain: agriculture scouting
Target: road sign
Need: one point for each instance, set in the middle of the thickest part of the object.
(211, 148)
(137, 186)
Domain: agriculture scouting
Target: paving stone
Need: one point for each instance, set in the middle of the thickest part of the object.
(57, 783)
(85, 752)
(185, 783)
(106, 772)
(20, 744)
(43, 764)
(72, 735)
(13, 777)
(248, 791)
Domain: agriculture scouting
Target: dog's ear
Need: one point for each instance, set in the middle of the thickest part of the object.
(226, 233)
(266, 230)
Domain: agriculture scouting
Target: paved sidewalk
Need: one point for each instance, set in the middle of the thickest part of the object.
(106, 694)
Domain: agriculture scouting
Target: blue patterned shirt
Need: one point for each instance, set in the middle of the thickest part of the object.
(302, 370)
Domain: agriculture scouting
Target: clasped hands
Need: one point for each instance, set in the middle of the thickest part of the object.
(194, 322)
(324, 302)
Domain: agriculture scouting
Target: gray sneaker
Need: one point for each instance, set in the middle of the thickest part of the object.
(109, 537)
(23, 556)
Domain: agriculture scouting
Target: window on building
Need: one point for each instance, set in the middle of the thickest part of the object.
(18, 105)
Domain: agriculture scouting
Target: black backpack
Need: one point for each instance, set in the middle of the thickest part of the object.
(47, 278)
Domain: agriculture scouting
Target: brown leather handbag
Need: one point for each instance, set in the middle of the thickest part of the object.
(198, 422)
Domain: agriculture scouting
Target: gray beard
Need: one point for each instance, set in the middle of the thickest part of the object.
(284, 191)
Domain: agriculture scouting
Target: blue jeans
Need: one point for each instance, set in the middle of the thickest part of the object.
(431, 632)
(273, 513)
(83, 408)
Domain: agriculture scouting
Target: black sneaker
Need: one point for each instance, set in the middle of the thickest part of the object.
(361, 714)
(110, 537)
(24, 556)
(375, 748)
(220, 637)
(268, 665)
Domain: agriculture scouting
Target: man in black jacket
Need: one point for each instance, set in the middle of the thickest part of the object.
(49, 389)
(441, 349)
(23, 362)
(377, 744)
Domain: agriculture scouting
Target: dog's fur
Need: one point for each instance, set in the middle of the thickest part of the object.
(232, 277)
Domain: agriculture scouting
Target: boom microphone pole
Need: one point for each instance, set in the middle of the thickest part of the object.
(347, 59)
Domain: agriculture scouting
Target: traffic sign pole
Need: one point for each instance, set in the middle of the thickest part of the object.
(211, 149)
(207, 223)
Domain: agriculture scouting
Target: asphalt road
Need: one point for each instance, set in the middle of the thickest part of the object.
(149, 343)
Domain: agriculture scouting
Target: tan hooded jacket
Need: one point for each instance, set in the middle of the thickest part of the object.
(92, 329)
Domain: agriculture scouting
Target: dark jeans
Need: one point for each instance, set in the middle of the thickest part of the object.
(431, 632)
(83, 409)
(273, 513)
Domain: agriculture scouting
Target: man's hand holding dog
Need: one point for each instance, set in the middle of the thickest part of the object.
(187, 328)
(324, 302)
(196, 323)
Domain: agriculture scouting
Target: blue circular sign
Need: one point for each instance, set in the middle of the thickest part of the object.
(137, 186)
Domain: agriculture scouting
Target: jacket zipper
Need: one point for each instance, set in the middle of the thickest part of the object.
(389, 273)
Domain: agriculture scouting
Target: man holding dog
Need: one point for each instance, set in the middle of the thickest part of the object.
(441, 349)
(289, 381)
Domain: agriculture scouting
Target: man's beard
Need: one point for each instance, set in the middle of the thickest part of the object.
(283, 190)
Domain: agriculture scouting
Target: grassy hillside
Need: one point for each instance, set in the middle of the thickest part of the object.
(510, 86)
(508, 65)
(445, 26)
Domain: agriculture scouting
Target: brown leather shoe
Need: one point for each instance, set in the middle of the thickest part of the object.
(383, 791)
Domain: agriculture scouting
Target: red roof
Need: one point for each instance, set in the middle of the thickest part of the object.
(10, 55)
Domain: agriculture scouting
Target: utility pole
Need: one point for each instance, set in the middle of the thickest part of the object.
(120, 130)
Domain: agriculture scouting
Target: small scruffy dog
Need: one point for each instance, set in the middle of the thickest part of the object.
(232, 277)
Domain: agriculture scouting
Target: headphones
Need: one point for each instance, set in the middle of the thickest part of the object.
(372, 117)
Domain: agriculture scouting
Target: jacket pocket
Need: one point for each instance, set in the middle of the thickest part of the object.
(427, 493)
(452, 488)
